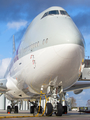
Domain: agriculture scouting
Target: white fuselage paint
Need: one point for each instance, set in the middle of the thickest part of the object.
(54, 62)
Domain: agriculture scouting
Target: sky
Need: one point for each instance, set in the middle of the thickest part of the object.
(16, 15)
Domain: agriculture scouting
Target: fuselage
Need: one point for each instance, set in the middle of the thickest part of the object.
(51, 52)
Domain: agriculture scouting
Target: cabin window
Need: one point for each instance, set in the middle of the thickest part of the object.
(47, 40)
(43, 41)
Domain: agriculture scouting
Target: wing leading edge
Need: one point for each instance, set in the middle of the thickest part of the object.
(79, 85)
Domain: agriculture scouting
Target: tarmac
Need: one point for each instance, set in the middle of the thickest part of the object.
(25, 115)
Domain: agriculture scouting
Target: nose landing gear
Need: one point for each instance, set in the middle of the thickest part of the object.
(56, 101)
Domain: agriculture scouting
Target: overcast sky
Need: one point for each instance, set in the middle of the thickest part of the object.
(16, 15)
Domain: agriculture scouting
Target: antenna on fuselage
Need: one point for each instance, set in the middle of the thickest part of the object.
(14, 48)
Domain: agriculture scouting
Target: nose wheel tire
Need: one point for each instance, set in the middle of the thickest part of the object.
(59, 109)
(49, 109)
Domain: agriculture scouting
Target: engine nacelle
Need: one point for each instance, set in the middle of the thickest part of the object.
(77, 91)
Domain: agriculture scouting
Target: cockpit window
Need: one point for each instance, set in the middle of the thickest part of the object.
(63, 12)
(46, 14)
(54, 12)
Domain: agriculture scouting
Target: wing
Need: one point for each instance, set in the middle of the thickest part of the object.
(79, 86)
(84, 81)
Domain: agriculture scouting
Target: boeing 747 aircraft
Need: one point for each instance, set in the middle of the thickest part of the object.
(49, 60)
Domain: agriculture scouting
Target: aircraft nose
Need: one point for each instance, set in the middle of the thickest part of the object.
(67, 51)
(73, 36)
(68, 33)
(75, 39)
(71, 45)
